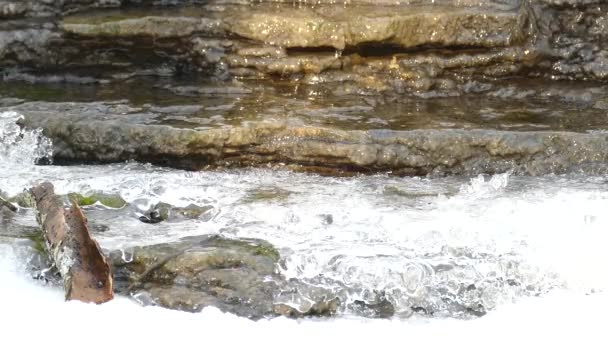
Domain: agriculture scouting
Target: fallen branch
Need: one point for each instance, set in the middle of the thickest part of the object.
(85, 271)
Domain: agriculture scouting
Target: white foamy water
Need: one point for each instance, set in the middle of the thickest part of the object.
(18, 146)
(528, 251)
(30, 310)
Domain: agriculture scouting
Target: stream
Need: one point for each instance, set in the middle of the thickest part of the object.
(527, 250)
(310, 170)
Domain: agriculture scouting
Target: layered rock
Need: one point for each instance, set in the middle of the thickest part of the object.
(403, 27)
(414, 44)
(384, 52)
(415, 152)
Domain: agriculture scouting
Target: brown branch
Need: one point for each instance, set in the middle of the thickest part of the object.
(85, 271)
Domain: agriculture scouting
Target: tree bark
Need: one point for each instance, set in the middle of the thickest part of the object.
(84, 269)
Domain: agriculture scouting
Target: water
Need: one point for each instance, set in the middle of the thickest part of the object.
(526, 252)
(18, 146)
(198, 103)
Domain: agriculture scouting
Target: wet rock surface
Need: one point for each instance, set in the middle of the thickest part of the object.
(408, 152)
(237, 276)
(108, 200)
(528, 127)
(418, 44)
(404, 27)
(414, 89)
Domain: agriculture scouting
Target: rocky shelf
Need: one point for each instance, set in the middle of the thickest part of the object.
(81, 138)
(420, 47)
(531, 128)
(366, 86)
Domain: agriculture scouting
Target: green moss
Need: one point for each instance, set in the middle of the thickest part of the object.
(24, 90)
(80, 199)
(110, 201)
(267, 251)
(24, 200)
(254, 246)
(38, 242)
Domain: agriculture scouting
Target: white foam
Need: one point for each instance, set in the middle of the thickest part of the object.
(545, 234)
(31, 311)
(541, 237)
(19, 146)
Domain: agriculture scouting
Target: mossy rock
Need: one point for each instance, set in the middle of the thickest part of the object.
(110, 201)
(267, 250)
(24, 200)
(167, 211)
(266, 194)
(237, 276)
(38, 242)
(164, 210)
(193, 211)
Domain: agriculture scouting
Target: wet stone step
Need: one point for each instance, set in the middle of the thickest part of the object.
(320, 26)
(410, 48)
(415, 152)
(151, 26)
(526, 127)
(407, 26)
(278, 39)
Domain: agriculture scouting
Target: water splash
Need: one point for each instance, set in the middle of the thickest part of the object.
(481, 186)
(19, 146)
(449, 247)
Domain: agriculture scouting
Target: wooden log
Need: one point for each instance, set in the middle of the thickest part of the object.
(84, 269)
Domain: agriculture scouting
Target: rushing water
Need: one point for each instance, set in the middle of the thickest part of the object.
(527, 251)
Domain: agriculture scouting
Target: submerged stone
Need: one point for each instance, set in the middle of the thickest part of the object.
(108, 200)
(236, 276)
(168, 212)
(196, 272)
(266, 194)
(324, 307)
(381, 307)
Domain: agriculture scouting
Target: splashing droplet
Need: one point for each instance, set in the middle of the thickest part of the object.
(21, 146)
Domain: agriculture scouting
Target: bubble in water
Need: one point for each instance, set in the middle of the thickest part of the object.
(480, 187)
(21, 146)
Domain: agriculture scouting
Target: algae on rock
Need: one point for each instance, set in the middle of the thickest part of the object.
(108, 200)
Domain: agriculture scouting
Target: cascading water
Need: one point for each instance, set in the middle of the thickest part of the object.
(430, 249)
(515, 89)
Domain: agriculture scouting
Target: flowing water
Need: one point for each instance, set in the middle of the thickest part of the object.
(339, 88)
(525, 253)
